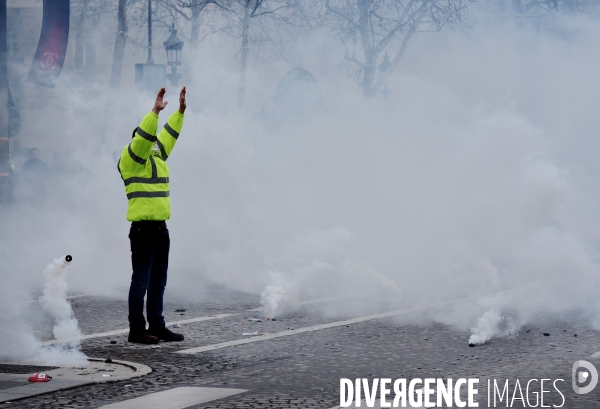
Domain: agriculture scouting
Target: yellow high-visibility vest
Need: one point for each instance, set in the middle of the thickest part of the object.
(145, 173)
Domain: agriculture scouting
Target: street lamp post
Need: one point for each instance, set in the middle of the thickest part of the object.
(149, 76)
(173, 46)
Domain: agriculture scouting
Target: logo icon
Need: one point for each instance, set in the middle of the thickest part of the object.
(582, 377)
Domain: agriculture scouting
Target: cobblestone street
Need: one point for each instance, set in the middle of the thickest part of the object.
(303, 369)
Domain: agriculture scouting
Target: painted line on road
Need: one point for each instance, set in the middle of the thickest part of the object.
(126, 330)
(186, 321)
(67, 298)
(310, 302)
(288, 333)
(176, 398)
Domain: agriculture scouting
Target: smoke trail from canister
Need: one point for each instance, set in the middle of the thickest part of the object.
(66, 326)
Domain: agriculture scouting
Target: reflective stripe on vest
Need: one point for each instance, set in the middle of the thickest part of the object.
(134, 156)
(171, 131)
(134, 195)
(163, 152)
(146, 135)
(145, 180)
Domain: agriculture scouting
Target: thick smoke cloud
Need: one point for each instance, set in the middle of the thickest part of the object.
(477, 177)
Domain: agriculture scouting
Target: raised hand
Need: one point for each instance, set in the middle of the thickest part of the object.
(182, 102)
(159, 104)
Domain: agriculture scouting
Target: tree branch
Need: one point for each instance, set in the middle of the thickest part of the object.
(342, 15)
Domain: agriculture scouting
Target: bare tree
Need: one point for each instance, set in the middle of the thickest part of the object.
(117, 66)
(368, 28)
(526, 6)
(87, 15)
(246, 12)
(79, 36)
(190, 11)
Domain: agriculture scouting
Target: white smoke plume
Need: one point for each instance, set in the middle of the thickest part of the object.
(477, 174)
(493, 323)
(273, 298)
(66, 326)
(487, 327)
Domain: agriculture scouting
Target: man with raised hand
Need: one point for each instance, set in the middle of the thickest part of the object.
(145, 173)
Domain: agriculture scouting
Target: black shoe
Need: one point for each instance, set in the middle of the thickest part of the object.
(164, 334)
(142, 337)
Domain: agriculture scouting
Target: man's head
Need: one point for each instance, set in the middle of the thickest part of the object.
(34, 153)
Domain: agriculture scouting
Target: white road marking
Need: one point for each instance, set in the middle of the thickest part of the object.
(186, 321)
(126, 330)
(67, 298)
(176, 398)
(321, 327)
(298, 331)
(308, 302)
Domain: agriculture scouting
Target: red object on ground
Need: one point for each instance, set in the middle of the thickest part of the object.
(40, 377)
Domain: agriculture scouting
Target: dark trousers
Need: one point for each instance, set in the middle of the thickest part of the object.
(150, 260)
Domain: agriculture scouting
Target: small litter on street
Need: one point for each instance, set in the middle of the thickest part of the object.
(176, 325)
(254, 320)
(181, 314)
(291, 328)
(40, 377)
(250, 334)
(106, 375)
(180, 309)
(128, 386)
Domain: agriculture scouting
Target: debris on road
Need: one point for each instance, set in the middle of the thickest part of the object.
(176, 325)
(106, 375)
(254, 320)
(251, 334)
(291, 328)
(181, 310)
(40, 377)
